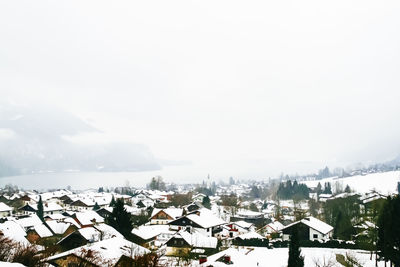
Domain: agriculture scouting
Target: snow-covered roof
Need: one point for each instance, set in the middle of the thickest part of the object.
(205, 219)
(276, 226)
(244, 224)
(56, 216)
(72, 221)
(198, 240)
(278, 257)
(150, 231)
(4, 207)
(173, 212)
(88, 217)
(58, 227)
(90, 233)
(29, 221)
(130, 209)
(249, 213)
(10, 264)
(250, 235)
(14, 231)
(110, 250)
(50, 206)
(42, 230)
(107, 231)
(315, 224)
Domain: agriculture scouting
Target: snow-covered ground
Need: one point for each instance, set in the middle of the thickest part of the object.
(385, 182)
(9, 264)
(278, 257)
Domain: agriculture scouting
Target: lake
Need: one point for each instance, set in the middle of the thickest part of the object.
(86, 180)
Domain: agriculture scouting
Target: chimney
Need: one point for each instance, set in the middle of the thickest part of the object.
(227, 259)
(202, 259)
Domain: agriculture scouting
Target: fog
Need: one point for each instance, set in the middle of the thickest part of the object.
(226, 88)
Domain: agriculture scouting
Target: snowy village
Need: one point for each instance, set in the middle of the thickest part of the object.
(209, 224)
(200, 133)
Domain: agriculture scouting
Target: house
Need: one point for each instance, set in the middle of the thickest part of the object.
(105, 212)
(145, 203)
(164, 216)
(14, 231)
(38, 232)
(5, 210)
(87, 218)
(324, 197)
(55, 217)
(369, 201)
(26, 199)
(79, 238)
(193, 206)
(110, 252)
(199, 197)
(48, 209)
(272, 227)
(61, 228)
(249, 216)
(251, 239)
(309, 228)
(85, 235)
(82, 204)
(184, 242)
(28, 222)
(203, 221)
(142, 200)
(237, 228)
(152, 236)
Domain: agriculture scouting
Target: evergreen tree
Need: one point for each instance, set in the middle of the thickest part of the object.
(319, 188)
(206, 202)
(327, 188)
(112, 203)
(255, 192)
(347, 189)
(101, 190)
(120, 219)
(40, 212)
(295, 258)
(290, 191)
(253, 207)
(157, 183)
(388, 243)
(324, 173)
(96, 206)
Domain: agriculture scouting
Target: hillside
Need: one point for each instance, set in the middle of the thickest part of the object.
(384, 182)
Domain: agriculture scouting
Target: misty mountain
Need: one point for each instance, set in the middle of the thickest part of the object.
(31, 140)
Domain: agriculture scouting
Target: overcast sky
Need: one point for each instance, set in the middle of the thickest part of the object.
(237, 88)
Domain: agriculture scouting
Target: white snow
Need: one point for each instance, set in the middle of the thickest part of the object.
(385, 182)
(10, 264)
(110, 250)
(198, 240)
(42, 230)
(58, 228)
(4, 207)
(88, 217)
(250, 235)
(278, 257)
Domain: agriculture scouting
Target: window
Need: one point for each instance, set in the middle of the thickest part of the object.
(315, 236)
